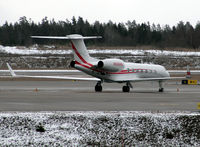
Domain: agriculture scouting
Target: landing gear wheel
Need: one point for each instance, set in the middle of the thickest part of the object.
(98, 88)
(126, 89)
(161, 90)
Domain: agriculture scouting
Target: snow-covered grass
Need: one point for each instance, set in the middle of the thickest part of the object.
(99, 128)
(35, 51)
(144, 52)
(31, 51)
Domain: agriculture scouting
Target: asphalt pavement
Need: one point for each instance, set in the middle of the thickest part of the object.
(33, 95)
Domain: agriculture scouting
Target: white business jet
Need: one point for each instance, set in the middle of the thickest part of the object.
(107, 70)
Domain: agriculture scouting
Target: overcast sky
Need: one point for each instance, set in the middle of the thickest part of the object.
(155, 11)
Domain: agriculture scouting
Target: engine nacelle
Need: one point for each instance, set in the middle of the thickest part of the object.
(111, 65)
(72, 63)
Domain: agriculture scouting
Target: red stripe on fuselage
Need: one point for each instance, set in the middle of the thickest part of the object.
(86, 66)
(121, 72)
(78, 54)
(90, 65)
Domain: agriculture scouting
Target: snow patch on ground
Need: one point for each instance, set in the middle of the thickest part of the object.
(144, 52)
(35, 51)
(99, 128)
(31, 51)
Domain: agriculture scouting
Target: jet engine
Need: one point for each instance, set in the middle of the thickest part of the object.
(72, 63)
(111, 65)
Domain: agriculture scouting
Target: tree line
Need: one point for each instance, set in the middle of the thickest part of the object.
(114, 34)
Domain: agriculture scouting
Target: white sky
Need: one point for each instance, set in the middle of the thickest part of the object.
(155, 11)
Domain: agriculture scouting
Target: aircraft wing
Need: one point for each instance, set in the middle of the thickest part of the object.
(183, 71)
(155, 79)
(43, 71)
(51, 77)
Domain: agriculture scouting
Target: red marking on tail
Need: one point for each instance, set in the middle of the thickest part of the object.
(78, 54)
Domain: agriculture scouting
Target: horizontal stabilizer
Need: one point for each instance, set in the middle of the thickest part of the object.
(70, 37)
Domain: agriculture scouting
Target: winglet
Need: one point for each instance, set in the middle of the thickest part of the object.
(11, 71)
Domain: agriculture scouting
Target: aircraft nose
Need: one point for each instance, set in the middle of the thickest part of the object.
(167, 73)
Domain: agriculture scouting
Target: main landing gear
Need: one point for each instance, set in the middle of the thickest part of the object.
(161, 89)
(98, 87)
(127, 87)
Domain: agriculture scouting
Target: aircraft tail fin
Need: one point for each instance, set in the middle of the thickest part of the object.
(79, 49)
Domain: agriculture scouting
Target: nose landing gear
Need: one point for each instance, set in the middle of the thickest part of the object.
(161, 89)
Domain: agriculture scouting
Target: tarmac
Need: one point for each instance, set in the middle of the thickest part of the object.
(37, 95)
